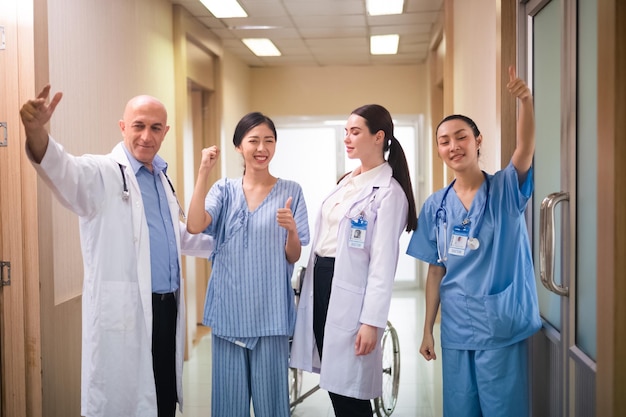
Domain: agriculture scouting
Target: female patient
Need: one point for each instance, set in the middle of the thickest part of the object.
(259, 223)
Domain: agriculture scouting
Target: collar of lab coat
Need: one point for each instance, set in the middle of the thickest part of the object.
(382, 180)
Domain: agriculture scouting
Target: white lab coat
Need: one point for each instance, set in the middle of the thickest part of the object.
(117, 376)
(360, 294)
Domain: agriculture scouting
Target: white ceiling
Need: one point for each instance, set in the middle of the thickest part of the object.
(323, 32)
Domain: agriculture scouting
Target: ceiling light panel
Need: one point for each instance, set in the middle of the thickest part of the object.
(384, 44)
(384, 7)
(223, 9)
(261, 46)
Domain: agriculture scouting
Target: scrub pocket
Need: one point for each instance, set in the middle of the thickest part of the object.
(505, 314)
(119, 303)
(346, 302)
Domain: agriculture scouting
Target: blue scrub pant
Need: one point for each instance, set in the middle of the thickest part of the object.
(486, 383)
(241, 375)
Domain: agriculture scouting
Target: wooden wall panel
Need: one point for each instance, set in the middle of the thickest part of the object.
(12, 349)
(611, 333)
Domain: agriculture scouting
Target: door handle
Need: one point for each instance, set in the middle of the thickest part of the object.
(547, 242)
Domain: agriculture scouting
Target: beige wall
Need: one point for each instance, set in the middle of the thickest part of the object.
(338, 90)
(474, 58)
(237, 85)
(311, 91)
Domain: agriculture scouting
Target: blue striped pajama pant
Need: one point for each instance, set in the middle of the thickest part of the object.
(259, 374)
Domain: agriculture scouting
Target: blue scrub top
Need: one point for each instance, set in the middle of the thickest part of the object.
(250, 293)
(488, 295)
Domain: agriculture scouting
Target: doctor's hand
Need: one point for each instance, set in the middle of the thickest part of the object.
(35, 113)
(428, 347)
(284, 217)
(366, 340)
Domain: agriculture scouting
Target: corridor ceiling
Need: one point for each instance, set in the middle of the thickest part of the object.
(323, 32)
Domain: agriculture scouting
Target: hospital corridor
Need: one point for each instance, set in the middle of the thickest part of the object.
(419, 393)
(421, 65)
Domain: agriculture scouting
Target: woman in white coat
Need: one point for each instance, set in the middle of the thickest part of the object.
(119, 291)
(347, 287)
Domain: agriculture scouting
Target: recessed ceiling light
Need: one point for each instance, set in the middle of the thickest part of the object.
(261, 47)
(383, 7)
(223, 9)
(384, 44)
(253, 27)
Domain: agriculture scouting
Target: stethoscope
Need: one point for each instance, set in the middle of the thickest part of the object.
(441, 216)
(126, 193)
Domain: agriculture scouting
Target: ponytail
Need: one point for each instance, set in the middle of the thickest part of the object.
(400, 168)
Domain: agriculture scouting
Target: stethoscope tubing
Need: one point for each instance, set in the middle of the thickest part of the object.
(441, 217)
(126, 193)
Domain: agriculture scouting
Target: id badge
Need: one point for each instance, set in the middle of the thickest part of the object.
(458, 242)
(358, 230)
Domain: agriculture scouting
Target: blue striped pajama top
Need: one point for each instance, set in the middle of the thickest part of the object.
(250, 293)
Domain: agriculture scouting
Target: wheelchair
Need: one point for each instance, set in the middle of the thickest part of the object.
(382, 406)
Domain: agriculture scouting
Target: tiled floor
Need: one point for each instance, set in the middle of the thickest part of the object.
(420, 381)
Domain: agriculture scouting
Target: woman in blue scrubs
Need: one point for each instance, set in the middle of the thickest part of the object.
(474, 237)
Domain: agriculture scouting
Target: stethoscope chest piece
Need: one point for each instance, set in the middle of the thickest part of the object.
(473, 243)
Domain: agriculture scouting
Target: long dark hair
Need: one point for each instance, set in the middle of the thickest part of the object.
(378, 118)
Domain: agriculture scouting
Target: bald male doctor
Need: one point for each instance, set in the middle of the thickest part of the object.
(133, 318)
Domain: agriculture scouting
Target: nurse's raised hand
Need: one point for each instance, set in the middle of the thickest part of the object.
(516, 86)
(428, 347)
(35, 113)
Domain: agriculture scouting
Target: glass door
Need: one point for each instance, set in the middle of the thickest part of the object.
(561, 67)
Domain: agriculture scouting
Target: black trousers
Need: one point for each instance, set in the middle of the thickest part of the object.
(322, 284)
(164, 312)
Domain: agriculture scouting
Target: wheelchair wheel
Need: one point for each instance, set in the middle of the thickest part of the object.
(295, 386)
(386, 403)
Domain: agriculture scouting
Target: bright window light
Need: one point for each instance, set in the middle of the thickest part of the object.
(382, 7)
(224, 8)
(261, 47)
(384, 44)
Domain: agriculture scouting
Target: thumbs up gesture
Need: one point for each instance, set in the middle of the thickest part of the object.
(284, 216)
(516, 86)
